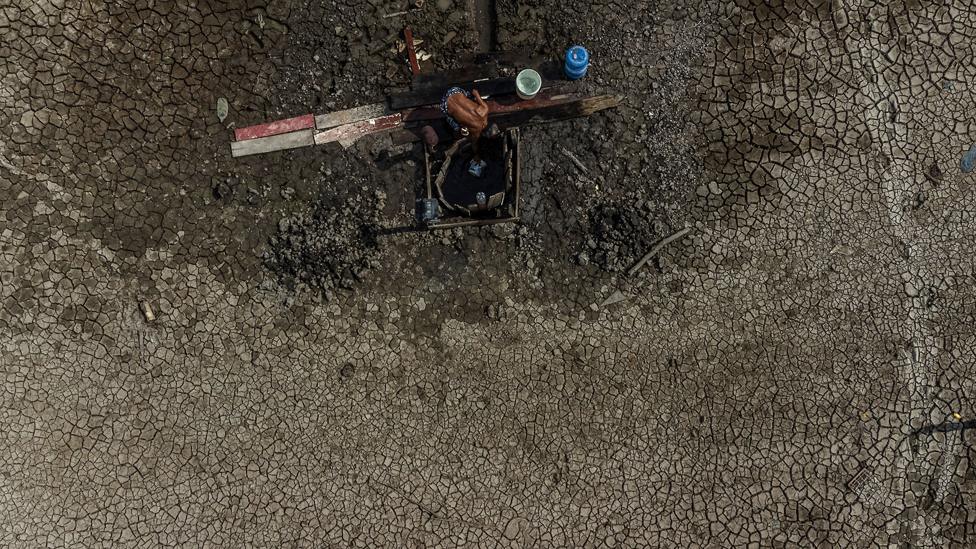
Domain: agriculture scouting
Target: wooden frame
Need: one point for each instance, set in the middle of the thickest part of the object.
(513, 184)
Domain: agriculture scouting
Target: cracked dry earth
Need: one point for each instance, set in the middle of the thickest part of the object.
(797, 372)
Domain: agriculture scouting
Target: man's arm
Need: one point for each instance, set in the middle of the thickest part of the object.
(481, 108)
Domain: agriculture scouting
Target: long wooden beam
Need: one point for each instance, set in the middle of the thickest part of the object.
(308, 121)
(513, 114)
(507, 114)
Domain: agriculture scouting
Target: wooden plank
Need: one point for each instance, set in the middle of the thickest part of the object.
(491, 86)
(511, 113)
(518, 169)
(293, 140)
(277, 127)
(411, 51)
(358, 114)
(521, 58)
(556, 111)
(348, 133)
(443, 80)
(495, 106)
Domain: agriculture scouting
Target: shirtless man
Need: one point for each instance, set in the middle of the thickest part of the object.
(467, 114)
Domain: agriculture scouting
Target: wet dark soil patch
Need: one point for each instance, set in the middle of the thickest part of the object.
(619, 235)
(329, 248)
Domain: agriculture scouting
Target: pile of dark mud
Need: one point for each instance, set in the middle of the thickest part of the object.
(619, 234)
(331, 247)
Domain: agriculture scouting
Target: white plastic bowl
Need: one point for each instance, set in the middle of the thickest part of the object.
(528, 83)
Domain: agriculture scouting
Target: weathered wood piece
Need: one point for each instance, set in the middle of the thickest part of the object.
(474, 223)
(411, 51)
(293, 140)
(518, 170)
(349, 133)
(277, 127)
(358, 114)
(576, 161)
(443, 80)
(512, 113)
(432, 96)
(657, 248)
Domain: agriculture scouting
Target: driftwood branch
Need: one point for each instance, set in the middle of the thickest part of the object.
(657, 248)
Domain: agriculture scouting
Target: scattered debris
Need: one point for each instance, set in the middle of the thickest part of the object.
(147, 311)
(223, 108)
(657, 248)
(222, 189)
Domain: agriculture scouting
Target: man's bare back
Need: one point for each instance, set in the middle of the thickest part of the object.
(471, 115)
(467, 114)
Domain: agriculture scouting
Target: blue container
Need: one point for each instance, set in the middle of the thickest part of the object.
(577, 61)
(968, 162)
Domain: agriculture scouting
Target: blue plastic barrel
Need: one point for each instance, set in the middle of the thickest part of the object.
(577, 61)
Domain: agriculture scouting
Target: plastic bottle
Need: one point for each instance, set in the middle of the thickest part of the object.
(577, 62)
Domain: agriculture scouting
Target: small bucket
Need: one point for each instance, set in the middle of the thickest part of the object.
(528, 83)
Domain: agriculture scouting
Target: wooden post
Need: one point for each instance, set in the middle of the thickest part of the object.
(411, 51)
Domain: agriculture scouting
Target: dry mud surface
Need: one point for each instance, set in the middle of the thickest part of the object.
(796, 372)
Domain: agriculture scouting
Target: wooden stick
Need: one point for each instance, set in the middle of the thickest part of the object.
(518, 170)
(657, 247)
(430, 192)
(576, 161)
(411, 51)
(473, 223)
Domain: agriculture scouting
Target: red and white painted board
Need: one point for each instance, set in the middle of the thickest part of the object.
(278, 127)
